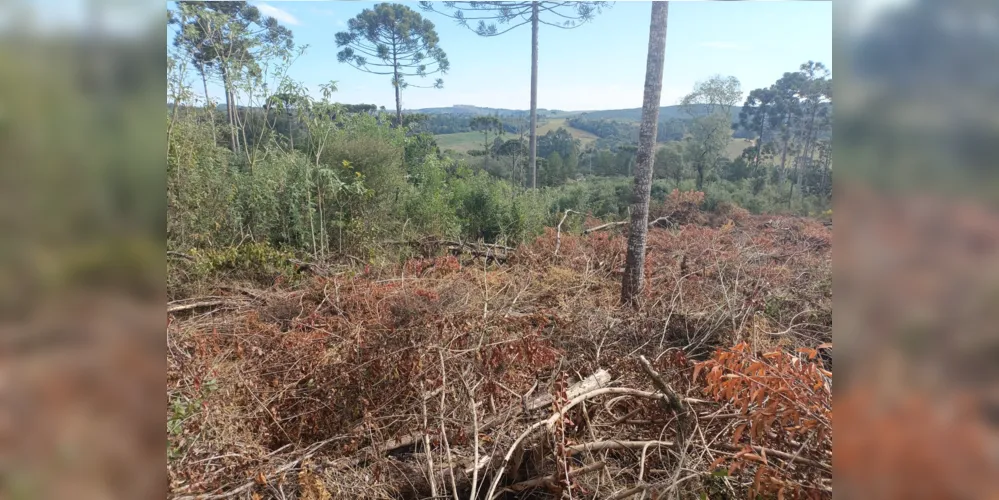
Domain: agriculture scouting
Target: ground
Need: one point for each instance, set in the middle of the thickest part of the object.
(354, 381)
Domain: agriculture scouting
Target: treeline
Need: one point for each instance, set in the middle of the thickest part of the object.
(615, 132)
(454, 123)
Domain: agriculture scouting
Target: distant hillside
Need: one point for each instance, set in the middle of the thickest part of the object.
(460, 109)
(665, 113)
(634, 114)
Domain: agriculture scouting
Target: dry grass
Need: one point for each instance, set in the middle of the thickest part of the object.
(361, 361)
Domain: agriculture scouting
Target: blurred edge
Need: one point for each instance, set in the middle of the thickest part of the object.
(82, 213)
(915, 266)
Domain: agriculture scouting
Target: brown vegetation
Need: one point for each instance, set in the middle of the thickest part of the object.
(378, 383)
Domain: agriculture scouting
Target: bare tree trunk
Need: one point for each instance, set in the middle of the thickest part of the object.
(230, 112)
(534, 96)
(208, 102)
(634, 272)
(398, 102)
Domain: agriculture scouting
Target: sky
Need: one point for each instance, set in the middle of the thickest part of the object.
(600, 65)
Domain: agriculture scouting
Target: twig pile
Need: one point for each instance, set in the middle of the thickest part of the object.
(518, 380)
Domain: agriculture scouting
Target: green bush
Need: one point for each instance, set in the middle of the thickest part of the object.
(258, 262)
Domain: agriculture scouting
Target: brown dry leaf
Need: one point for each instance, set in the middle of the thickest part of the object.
(310, 487)
(260, 479)
(256, 496)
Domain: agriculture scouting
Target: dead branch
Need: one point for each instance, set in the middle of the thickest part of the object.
(558, 232)
(550, 481)
(550, 422)
(600, 378)
(605, 226)
(629, 492)
(615, 445)
(173, 308)
(657, 380)
(309, 452)
(179, 255)
(609, 225)
(781, 454)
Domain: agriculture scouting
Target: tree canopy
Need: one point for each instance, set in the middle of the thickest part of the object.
(392, 39)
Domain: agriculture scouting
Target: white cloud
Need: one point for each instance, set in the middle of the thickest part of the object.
(276, 13)
(724, 45)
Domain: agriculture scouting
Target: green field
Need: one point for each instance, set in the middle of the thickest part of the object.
(463, 142)
(735, 147)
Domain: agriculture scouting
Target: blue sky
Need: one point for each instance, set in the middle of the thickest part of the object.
(600, 65)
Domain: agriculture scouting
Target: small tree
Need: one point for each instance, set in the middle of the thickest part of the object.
(669, 162)
(708, 137)
(715, 95)
(486, 125)
(634, 271)
(393, 39)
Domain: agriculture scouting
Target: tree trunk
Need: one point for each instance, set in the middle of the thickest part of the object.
(807, 159)
(398, 103)
(783, 155)
(534, 96)
(634, 272)
(398, 86)
(759, 141)
(230, 112)
(208, 102)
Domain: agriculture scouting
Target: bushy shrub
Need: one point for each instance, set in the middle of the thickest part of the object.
(257, 262)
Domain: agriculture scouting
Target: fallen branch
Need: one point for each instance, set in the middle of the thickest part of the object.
(781, 454)
(615, 445)
(194, 305)
(549, 481)
(179, 255)
(629, 492)
(657, 380)
(558, 232)
(277, 473)
(550, 422)
(599, 379)
(624, 223)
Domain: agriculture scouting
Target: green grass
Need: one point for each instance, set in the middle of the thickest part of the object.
(461, 142)
(735, 147)
(464, 142)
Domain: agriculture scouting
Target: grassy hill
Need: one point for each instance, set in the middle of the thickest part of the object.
(466, 141)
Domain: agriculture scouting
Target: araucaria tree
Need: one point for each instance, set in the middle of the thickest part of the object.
(392, 39)
(634, 271)
(483, 17)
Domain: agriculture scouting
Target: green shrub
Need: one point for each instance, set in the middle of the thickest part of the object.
(251, 261)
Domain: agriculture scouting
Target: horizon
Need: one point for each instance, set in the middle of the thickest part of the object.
(598, 66)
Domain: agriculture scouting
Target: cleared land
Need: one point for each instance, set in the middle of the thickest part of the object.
(507, 375)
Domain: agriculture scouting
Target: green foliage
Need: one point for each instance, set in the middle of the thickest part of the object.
(429, 201)
(392, 39)
(182, 409)
(250, 261)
